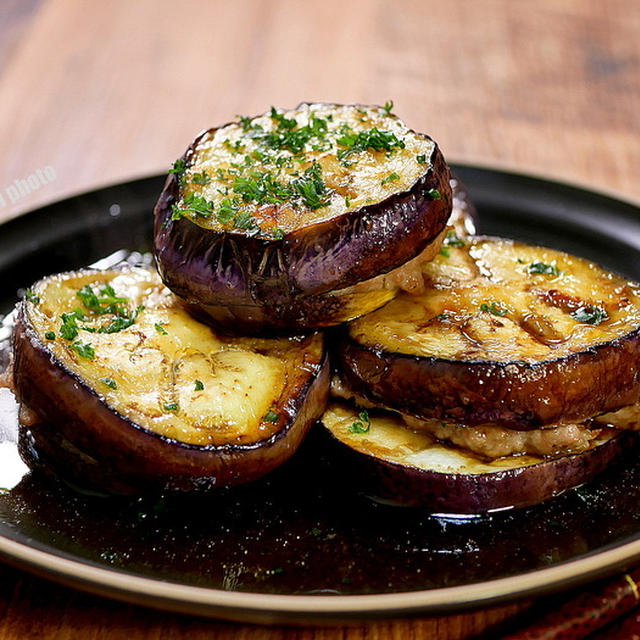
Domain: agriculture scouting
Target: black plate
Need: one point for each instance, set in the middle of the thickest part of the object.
(297, 547)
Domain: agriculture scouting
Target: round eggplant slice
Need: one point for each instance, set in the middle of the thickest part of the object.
(126, 384)
(506, 334)
(397, 465)
(271, 221)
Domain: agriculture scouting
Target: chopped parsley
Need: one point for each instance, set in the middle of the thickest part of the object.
(201, 178)
(104, 301)
(392, 177)
(98, 303)
(84, 350)
(277, 234)
(160, 329)
(373, 139)
(590, 314)
(69, 326)
(192, 203)
(123, 321)
(451, 240)
(315, 532)
(311, 188)
(434, 194)
(178, 167)
(110, 382)
(270, 416)
(50, 335)
(31, 297)
(226, 211)
(388, 105)
(363, 425)
(421, 159)
(543, 268)
(170, 406)
(198, 386)
(178, 170)
(495, 309)
(445, 251)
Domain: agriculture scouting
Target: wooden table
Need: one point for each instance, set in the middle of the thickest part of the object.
(93, 93)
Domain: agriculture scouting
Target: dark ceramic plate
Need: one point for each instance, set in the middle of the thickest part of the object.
(299, 546)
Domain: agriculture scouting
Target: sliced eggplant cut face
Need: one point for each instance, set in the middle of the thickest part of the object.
(505, 332)
(291, 169)
(165, 371)
(264, 216)
(128, 393)
(398, 465)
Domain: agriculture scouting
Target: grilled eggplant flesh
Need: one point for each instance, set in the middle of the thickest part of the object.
(264, 216)
(118, 372)
(507, 334)
(392, 463)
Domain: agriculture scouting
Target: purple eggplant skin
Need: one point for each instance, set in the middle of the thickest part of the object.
(516, 395)
(78, 429)
(280, 277)
(457, 493)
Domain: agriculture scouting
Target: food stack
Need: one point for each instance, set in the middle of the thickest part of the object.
(466, 374)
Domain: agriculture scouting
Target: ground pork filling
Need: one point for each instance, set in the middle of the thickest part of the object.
(491, 441)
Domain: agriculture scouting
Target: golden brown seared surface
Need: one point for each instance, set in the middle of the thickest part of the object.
(385, 435)
(130, 340)
(490, 299)
(290, 169)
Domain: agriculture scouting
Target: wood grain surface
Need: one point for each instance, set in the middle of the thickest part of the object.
(105, 91)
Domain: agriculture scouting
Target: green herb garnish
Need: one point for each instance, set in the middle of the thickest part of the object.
(110, 382)
(434, 194)
(178, 167)
(170, 406)
(160, 329)
(311, 188)
(226, 211)
(388, 105)
(392, 177)
(452, 240)
(369, 140)
(543, 268)
(198, 386)
(495, 309)
(361, 426)
(84, 350)
(270, 416)
(201, 178)
(445, 251)
(31, 297)
(590, 314)
(50, 335)
(421, 159)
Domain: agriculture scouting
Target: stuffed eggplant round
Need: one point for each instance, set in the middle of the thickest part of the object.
(392, 463)
(288, 220)
(129, 393)
(506, 334)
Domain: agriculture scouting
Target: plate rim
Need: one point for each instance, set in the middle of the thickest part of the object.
(306, 608)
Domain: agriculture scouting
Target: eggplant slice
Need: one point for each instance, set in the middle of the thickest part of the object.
(507, 334)
(394, 464)
(131, 393)
(286, 220)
